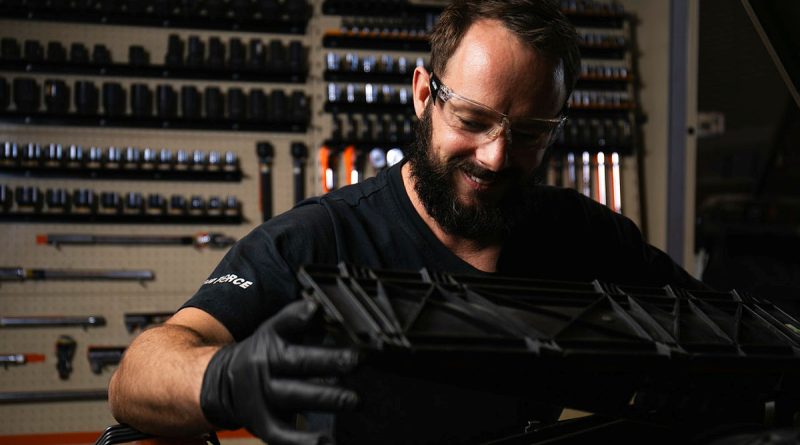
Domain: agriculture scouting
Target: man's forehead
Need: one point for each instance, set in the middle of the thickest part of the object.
(495, 67)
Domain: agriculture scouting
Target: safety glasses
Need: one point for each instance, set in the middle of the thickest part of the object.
(483, 124)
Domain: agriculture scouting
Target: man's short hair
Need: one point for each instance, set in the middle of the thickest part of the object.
(538, 23)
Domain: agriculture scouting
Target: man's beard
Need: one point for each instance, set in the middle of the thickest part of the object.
(484, 220)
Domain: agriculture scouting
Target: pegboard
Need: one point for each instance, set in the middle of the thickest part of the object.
(179, 270)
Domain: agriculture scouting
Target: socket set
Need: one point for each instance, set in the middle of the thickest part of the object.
(382, 8)
(383, 63)
(602, 133)
(593, 71)
(33, 51)
(160, 108)
(371, 95)
(390, 26)
(595, 175)
(193, 58)
(369, 129)
(592, 7)
(600, 100)
(281, 16)
(601, 40)
(236, 55)
(30, 203)
(35, 160)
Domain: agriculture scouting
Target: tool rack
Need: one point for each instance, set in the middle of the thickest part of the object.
(126, 157)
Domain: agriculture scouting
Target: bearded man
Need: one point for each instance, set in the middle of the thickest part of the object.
(466, 200)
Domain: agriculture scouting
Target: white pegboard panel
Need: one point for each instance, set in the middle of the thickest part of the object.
(179, 270)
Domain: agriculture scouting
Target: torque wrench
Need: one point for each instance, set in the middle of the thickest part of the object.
(299, 155)
(265, 151)
(52, 396)
(22, 274)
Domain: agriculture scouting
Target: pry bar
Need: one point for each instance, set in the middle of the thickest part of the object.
(199, 240)
(51, 321)
(7, 360)
(22, 274)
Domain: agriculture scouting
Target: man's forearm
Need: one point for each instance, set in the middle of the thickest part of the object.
(157, 386)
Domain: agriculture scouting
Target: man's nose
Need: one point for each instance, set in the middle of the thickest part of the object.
(493, 155)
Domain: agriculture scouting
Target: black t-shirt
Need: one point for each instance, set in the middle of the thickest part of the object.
(373, 224)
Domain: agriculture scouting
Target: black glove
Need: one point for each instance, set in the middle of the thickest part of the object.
(257, 382)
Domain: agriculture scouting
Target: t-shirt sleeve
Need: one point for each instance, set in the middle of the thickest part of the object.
(633, 260)
(258, 274)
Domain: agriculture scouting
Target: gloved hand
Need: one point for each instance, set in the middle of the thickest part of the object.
(257, 382)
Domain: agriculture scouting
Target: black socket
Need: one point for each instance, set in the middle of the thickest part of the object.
(75, 154)
(138, 56)
(277, 109)
(10, 152)
(156, 201)
(101, 55)
(9, 49)
(57, 198)
(258, 55)
(191, 102)
(78, 54)
(134, 201)
(54, 153)
(216, 53)
(277, 56)
(236, 54)
(86, 97)
(214, 203)
(84, 198)
(166, 102)
(5, 197)
(174, 55)
(28, 197)
(56, 53)
(110, 200)
(34, 51)
(215, 103)
(4, 96)
(27, 96)
(296, 56)
(197, 202)
(257, 105)
(196, 51)
(141, 100)
(114, 102)
(177, 203)
(300, 109)
(236, 104)
(56, 96)
(231, 203)
(32, 152)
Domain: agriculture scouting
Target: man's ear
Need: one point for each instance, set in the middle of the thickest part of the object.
(421, 90)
